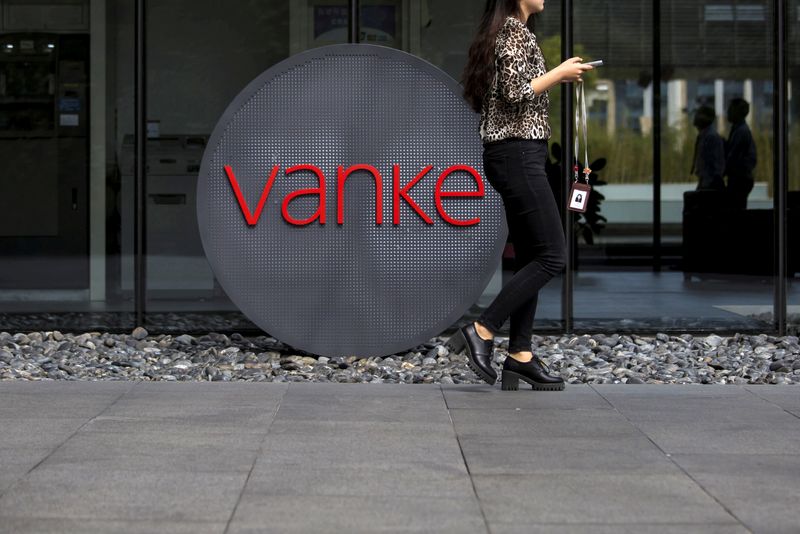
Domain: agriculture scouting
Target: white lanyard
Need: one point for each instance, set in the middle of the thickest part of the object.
(581, 97)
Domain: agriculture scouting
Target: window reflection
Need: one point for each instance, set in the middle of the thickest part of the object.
(66, 153)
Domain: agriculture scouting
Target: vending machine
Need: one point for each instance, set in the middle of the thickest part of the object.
(176, 264)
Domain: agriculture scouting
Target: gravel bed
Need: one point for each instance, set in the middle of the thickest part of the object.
(600, 358)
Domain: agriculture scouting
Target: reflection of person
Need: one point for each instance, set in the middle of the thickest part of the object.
(708, 162)
(740, 154)
(506, 81)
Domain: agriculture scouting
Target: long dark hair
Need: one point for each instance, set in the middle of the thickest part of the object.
(479, 71)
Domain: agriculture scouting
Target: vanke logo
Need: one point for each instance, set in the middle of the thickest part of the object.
(399, 194)
(342, 203)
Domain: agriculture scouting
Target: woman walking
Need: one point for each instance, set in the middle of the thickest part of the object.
(505, 80)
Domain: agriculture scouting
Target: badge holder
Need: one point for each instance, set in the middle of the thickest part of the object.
(579, 194)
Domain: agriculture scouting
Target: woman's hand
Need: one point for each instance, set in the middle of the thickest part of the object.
(569, 71)
(572, 69)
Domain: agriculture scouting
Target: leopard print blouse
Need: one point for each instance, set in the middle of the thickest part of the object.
(510, 108)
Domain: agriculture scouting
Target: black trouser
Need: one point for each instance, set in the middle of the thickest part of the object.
(515, 169)
(738, 189)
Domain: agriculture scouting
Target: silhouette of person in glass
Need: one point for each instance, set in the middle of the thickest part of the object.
(708, 162)
(740, 154)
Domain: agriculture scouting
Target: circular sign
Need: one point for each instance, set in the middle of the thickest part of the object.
(341, 202)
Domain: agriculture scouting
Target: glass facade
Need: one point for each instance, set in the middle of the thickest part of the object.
(685, 101)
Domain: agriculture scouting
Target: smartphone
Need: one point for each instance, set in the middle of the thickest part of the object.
(598, 63)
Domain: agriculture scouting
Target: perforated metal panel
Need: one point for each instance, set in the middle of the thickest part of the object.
(358, 288)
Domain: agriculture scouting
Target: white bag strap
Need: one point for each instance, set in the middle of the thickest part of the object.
(580, 112)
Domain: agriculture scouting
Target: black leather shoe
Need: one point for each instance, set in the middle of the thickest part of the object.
(479, 351)
(534, 372)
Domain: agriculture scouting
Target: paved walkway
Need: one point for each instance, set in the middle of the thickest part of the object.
(167, 457)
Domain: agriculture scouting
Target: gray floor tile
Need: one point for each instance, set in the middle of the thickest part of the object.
(161, 442)
(413, 479)
(81, 388)
(189, 407)
(200, 400)
(599, 498)
(62, 525)
(575, 422)
(211, 423)
(338, 428)
(174, 457)
(364, 402)
(729, 431)
(36, 432)
(343, 390)
(617, 528)
(542, 454)
(76, 491)
(200, 391)
(675, 397)
(337, 514)
(328, 442)
(787, 397)
(671, 390)
(16, 462)
(720, 419)
(370, 410)
(221, 387)
(159, 451)
(21, 457)
(762, 490)
(571, 397)
(43, 404)
(688, 395)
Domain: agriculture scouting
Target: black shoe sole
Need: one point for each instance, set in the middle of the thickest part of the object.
(458, 343)
(511, 382)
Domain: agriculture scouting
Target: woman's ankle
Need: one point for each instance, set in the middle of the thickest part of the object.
(483, 332)
(521, 356)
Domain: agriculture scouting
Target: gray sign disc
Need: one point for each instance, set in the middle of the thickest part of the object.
(356, 288)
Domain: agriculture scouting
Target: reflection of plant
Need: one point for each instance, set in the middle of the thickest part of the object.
(551, 50)
(794, 157)
(590, 222)
(631, 152)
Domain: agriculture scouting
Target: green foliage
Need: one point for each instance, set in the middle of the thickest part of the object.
(630, 154)
(551, 50)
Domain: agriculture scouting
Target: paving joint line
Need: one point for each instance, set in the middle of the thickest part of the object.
(258, 454)
(671, 459)
(466, 464)
(40, 462)
(770, 402)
